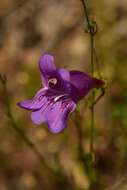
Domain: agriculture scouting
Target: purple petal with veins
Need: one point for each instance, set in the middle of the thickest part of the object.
(34, 103)
(62, 90)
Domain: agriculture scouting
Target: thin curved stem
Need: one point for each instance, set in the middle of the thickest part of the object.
(85, 11)
(91, 31)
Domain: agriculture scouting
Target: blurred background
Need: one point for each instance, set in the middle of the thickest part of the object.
(28, 29)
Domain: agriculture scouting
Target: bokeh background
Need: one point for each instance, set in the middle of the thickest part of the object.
(30, 28)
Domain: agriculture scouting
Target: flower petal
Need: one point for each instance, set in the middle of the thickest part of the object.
(64, 74)
(83, 83)
(47, 67)
(57, 115)
(36, 102)
(54, 113)
(39, 116)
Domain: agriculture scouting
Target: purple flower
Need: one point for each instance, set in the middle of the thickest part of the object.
(62, 90)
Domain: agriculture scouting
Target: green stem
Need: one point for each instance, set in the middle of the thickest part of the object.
(92, 53)
(92, 97)
(91, 31)
(85, 11)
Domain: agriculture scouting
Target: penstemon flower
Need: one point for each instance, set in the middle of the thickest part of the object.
(60, 94)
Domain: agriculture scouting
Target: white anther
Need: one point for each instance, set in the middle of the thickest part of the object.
(52, 81)
(58, 97)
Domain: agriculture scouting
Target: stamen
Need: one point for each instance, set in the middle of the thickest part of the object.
(52, 81)
(60, 96)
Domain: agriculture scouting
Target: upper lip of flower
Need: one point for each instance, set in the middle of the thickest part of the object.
(62, 89)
